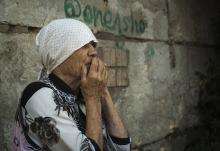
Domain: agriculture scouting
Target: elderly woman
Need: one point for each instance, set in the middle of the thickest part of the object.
(69, 108)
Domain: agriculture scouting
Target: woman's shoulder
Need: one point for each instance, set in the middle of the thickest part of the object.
(34, 88)
(39, 100)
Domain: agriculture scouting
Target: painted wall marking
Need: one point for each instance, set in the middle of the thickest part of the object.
(104, 18)
(119, 44)
(150, 52)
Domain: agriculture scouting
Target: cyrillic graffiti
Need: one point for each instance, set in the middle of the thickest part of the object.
(114, 22)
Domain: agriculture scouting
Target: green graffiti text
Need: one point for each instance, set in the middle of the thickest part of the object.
(112, 21)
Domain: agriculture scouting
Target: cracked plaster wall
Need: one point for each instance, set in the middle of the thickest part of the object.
(167, 42)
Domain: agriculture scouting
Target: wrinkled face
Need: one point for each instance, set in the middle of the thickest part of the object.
(82, 56)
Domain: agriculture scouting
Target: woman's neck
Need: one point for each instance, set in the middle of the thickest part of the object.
(72, 82)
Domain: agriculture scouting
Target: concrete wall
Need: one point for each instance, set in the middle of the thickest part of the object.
(167, 42)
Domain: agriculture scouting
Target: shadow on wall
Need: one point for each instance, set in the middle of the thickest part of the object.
(205, 136)
(215, 23)
(212, 12)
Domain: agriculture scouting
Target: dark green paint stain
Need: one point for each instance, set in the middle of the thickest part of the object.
(150, 52)
(119, 44)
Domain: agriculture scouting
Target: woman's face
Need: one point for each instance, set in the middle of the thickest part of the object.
(82, 56)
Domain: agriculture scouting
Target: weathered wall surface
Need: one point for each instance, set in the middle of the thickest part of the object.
(167, 42)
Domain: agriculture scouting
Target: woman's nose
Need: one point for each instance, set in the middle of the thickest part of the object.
(92, 52)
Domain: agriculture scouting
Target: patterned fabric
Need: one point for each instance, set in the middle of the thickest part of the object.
(20, 142)
(55, 133)
(65, 102)
(86, 145)
(46, 130)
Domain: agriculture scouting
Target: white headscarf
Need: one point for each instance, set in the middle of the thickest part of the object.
(59, 40)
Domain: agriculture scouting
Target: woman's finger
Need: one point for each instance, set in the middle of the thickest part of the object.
(105, 75)
(100, 69)
(93, 67)
(83, 73)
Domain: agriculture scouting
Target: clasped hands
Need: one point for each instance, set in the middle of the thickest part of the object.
(94, 80)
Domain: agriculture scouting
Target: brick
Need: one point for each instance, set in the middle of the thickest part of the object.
(109, 57)
(33, 29)
(100, 52)
(111, 77)
(20, 29)
(121, 58)
(122, 77)
(4, 28)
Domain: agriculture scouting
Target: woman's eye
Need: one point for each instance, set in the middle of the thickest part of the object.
(93, 44)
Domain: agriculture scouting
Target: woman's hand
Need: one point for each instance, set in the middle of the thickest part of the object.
(94, 81)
